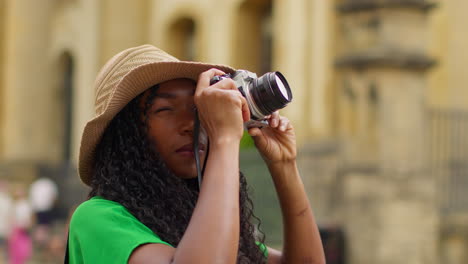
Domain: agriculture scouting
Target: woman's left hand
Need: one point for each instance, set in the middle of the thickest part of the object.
(277, 141)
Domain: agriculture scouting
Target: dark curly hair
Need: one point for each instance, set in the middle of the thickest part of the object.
(128, 170)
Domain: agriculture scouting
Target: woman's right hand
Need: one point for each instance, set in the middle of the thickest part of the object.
(221, 107)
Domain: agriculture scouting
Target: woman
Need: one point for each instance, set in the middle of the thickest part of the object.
(19, 241)
(137, 156)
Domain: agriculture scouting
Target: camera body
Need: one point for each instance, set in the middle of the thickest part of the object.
(264, 95)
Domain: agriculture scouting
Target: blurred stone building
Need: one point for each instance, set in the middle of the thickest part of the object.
(380, 104)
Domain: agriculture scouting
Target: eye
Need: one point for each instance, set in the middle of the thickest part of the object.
(162, 109)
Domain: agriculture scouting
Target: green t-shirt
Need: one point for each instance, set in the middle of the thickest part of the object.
(103, 231)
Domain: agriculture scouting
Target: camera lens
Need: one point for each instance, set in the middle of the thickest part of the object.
(282, 87)
(270, 92)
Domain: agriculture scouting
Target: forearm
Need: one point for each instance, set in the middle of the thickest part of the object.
(302, 243)
(216, 215)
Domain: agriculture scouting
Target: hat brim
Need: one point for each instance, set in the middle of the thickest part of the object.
(131, 85)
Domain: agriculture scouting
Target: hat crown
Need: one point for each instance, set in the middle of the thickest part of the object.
(119, 66)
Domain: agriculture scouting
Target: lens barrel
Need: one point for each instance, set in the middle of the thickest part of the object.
(270, 92)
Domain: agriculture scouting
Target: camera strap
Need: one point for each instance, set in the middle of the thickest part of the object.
(196, 148)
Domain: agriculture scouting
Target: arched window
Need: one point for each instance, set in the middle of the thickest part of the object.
(182, 39)
(254, 36)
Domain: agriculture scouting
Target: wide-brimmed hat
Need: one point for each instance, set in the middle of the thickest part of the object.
(124, 77)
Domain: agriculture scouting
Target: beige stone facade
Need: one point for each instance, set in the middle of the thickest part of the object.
(379, 99)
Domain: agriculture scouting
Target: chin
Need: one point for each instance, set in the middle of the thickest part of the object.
(187, 175)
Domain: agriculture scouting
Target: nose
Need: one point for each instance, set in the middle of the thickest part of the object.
(187, 122)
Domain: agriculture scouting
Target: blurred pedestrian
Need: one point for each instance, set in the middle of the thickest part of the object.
(5, 211)
(19, 241)
(43, 194)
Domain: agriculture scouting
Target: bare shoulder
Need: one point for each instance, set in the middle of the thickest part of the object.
(152, 253)
(274, 256)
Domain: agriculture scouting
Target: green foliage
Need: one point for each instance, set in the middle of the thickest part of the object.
(246, 141)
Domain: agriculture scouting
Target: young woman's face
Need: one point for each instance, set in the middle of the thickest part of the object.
(170, 126)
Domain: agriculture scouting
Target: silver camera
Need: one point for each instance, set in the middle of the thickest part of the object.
(264, 95)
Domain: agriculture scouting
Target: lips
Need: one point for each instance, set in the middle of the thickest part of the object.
(188, 149)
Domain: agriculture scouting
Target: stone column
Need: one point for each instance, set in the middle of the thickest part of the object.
(289, 49)
(124, 25)
(86, 48)
(320, 49)
(217, 38)
(384, 50)
(25, 130)
(2, 64)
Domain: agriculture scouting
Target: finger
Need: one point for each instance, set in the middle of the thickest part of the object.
(245, 109)
(226, 84)
(205, 77)
(274, 119)
(255, 131)
(283, 124)
(236, 96)
(257, 135)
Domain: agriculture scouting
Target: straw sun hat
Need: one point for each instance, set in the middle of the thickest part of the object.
(124, 77)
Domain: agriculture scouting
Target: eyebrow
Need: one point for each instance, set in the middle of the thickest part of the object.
(164, 95)
(169, 95)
